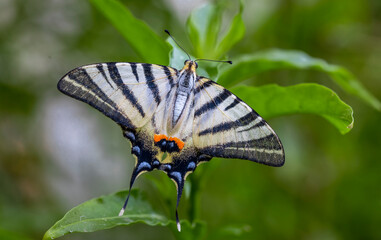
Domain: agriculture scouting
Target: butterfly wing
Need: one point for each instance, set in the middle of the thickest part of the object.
(225, 126)
(130, 94)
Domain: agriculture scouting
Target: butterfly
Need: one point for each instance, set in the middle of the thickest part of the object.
(174, 119)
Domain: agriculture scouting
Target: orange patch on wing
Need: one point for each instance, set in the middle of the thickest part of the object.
(180, 144)
(158, 137)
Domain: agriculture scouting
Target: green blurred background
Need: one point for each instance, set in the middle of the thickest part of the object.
(56, 152)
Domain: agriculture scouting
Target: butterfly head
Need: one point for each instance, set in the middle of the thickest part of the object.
(190, 65)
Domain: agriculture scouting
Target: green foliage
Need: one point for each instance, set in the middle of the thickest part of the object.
(233, 35)
(249, 65)
(102, 213)
(272, 100)
(137, 33)
(204, 25)
(203, 28)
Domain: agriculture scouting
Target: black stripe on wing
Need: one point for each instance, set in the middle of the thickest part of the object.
(169, 75)
(102, 71)
(233, 104)
(241, 122)
(115, 76)
(257, 125)
(134, 71)
(266, 142)
(150, 82)
(204, 84)
(213, 103)
(267, 150)
(90, 93)
(274, 157)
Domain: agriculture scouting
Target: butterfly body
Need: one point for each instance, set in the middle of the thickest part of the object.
(185, 86)
(174, 119)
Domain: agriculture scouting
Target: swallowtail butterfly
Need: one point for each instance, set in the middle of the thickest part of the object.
(174, 119)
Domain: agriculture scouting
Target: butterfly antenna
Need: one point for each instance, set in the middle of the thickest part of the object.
(230, 62)
(177, 43)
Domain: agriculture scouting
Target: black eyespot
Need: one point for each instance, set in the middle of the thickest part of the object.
(196, 64)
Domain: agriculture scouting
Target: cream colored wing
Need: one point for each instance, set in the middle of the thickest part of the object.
(225, 126)
(128, 93)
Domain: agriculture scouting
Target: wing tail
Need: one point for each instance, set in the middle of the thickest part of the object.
(145, 159)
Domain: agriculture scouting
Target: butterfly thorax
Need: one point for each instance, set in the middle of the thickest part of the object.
(185, 85)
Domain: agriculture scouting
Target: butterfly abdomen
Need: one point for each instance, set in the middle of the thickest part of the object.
(180, 101)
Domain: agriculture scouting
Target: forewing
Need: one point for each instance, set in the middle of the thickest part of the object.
(128, 93)
(225, 126)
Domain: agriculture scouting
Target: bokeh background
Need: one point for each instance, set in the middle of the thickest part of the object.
(56, 152)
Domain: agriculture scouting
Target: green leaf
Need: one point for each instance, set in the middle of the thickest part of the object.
(203, 27)
(102, 213)
(247, 66)
(273, 100)
(233, 35)
(137, 33)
